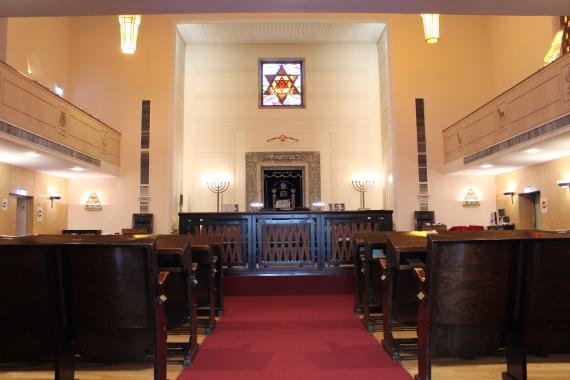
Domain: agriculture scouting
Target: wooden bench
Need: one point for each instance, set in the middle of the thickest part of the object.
(179, 286)
(218, 245)
(405, 251)
(358, 271)
(115, 311)
(468, 294)
(203, 256)
(30, 329)
(373, 267)
(108, 308)
(543, 325)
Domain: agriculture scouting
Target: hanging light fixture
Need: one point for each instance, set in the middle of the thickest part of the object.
(431, 27)
(129, 32)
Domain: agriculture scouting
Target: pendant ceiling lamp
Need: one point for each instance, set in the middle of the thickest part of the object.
(129, 32)
(431, 27)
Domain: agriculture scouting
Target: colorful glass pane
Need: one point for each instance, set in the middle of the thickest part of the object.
(281, 83)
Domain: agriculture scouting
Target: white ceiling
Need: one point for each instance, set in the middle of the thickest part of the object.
(34, 159)
(112, 7)
(281, 32)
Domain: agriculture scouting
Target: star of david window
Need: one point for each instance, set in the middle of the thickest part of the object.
(282, 83)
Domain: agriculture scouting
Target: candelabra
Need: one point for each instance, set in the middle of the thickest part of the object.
(362, 186)
(218, 187)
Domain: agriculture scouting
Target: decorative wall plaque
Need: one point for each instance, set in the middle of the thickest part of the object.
(93, 203)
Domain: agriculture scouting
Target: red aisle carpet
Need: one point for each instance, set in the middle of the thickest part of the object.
(291, 338)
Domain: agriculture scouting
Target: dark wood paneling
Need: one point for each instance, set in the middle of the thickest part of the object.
(299, 241)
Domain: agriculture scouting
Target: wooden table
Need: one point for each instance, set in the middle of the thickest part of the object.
(405, 251)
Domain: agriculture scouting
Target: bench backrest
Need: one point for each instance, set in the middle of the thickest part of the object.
(546, 309)
(113, 309)
(28, 301)
(470, 294)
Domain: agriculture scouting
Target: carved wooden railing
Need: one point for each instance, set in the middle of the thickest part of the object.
(341, 230)
(301, 241)
(286, 242)
(234, 230)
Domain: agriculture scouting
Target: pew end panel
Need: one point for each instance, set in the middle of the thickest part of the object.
(546, 309)
(174, 255)
(115, 311)
(469, 297)
(29, 300)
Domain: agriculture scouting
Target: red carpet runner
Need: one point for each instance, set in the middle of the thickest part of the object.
(291, 338)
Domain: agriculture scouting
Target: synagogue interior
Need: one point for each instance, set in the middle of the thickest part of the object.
(310, 190)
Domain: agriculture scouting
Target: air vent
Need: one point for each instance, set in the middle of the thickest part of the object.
(47, 144)
(543, 130)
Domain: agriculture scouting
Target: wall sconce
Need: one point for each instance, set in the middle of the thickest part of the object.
(218, 187)
(431, 28)
(507, 193)
(256, 206)
(129, 32)
(54, 197)
(362, 186)
(563, 183)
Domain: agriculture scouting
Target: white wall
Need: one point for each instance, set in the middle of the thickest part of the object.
(223, 121)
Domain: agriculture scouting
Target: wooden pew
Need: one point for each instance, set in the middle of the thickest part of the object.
(358, 271)
(30, 311)
(134, 231)
(218, 245)
(113, 308)
(543, 325)
(468, 294)
(178, 284)
(373, 268)
(203, 255)
(405, 251)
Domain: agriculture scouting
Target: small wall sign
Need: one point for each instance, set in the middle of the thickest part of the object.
(40, 214)
(4, 204)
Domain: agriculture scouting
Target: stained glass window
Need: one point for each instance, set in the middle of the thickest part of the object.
(282, 83)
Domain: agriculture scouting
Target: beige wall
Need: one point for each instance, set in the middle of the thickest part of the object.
(83, 54)
(543, 177)
(39, 186)
(223, 120)
(3, 37)
(477, 57)
(48, 39)
(518, 46)
(112, 85)
(453, 77)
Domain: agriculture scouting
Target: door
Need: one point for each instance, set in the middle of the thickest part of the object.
(529, 211)
(22, 216)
